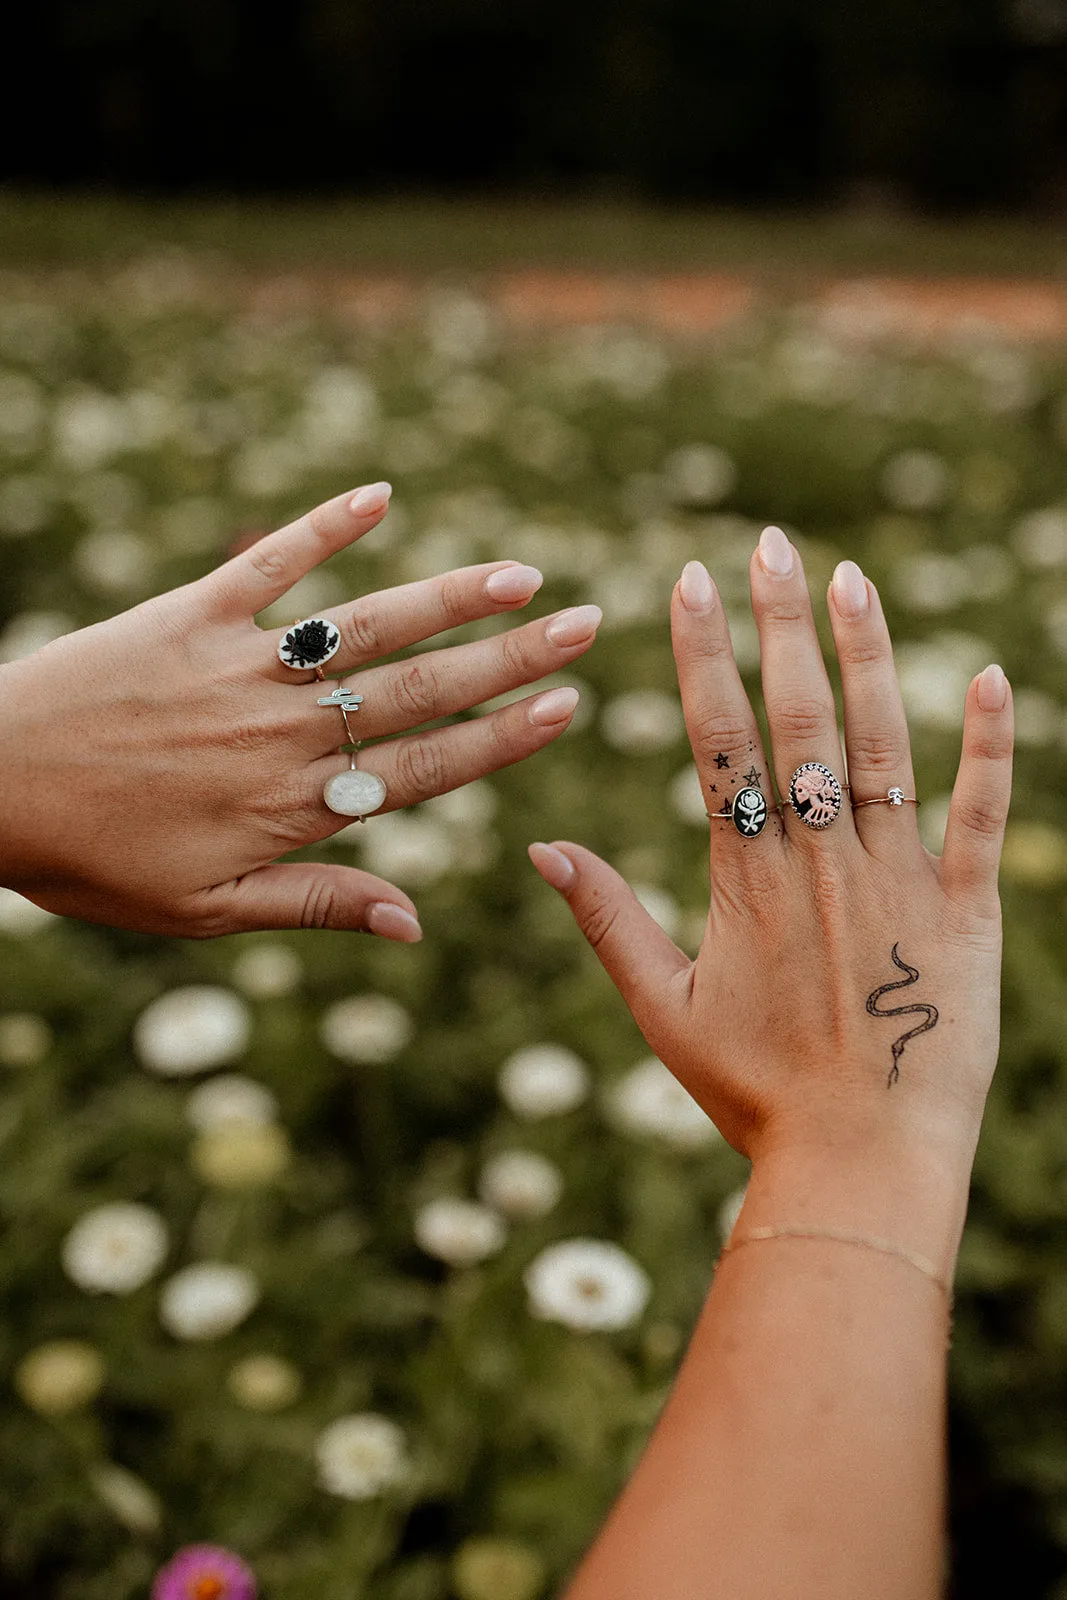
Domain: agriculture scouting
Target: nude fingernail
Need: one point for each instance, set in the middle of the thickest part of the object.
(775, 553)
(393, 922)
(992, 689)
(556, 868)
(371, 498)
(851, 596)
(571, 627)
(513, 583)
(696, 588)
(555, 706)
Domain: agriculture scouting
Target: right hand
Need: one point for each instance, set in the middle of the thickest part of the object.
(156, 765)
(768, 1028)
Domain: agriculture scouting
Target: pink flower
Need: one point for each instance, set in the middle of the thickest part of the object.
(204, 1572)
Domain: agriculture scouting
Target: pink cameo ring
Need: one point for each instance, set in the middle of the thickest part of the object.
(815, 795)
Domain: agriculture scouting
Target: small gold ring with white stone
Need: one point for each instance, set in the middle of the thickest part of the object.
(893, 797)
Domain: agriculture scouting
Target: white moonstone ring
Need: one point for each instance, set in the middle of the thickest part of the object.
(354, 793)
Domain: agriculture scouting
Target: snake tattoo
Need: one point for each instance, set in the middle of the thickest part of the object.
(931, 1013)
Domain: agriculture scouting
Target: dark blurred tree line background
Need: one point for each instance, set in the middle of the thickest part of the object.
(954, 104)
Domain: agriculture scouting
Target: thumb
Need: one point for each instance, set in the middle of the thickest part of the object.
(313, 895)
(633, 949)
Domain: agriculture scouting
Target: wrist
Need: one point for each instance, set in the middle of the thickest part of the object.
(912, 1193)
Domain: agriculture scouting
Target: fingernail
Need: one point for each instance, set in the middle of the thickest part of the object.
(851, 596)
(393, 922)
(555, 706)
(556, 868)
(571, 627)
(513, 583)
(775, 553)
(992, 689)
(371, 498)
(696, 588)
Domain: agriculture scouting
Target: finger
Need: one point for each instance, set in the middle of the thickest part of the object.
(979, 809)
(719, 719)
(312, 895)
(876, 730)
(426, 764)
(261, 574)
(641, 961)
(377, 624)
(796, 689)
(440, 683)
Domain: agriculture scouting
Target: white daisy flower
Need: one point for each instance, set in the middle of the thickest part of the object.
(360, 1456)
(230, 1097)
(521, 1184)
(60, 1376)
(587, 1284)
(366, 1028)
(461, 1232)
(25, 1039)
(207, 1300)
(191, 1029)
(267, 971)
(127, 1497)
(115, 1248)
(543, 1080)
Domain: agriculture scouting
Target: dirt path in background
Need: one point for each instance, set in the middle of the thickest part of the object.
(928, 309)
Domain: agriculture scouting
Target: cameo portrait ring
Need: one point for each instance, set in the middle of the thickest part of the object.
(815, 794)
(747, 811)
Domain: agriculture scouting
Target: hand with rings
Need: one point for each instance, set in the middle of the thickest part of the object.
(798, 1022)
(156, 765)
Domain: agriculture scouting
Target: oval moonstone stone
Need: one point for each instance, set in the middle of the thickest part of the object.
(354, 793)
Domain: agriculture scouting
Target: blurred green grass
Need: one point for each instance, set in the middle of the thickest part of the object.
(417, 237)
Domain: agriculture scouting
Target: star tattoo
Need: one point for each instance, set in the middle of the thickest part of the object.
(721, 760)
(752, 776)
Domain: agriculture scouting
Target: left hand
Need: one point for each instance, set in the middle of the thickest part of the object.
(157, 764)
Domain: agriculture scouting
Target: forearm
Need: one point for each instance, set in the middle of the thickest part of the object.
(801, 1452)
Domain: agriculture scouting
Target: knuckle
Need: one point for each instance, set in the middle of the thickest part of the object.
(981, 816)
(862, 652)
(880, 752)
(416, 690)
(515, 653)
(320, 521)
(598, 919)
(803, 719)
(988, 747)
(715, 735)
(268, 561)
(454, 600)
(421, 769)
(249, 735)
(319, 908)
(784, 609)
(360, 634)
